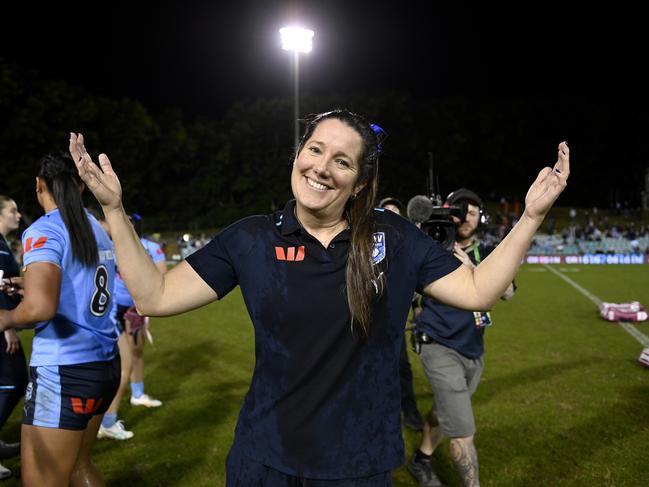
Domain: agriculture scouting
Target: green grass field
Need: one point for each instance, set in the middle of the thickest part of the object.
(563, 401)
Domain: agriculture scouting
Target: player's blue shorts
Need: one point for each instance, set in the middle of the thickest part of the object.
(68, 396)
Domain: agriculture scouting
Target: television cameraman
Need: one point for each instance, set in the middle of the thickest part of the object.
(450, 344)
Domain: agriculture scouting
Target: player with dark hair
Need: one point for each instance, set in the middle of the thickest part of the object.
(74, 366)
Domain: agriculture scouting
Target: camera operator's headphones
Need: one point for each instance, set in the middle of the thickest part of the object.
(464, 197)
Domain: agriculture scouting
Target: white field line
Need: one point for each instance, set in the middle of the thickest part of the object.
(630, 329)
(635, 333)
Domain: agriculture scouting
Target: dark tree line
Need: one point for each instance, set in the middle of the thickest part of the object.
(183, 172)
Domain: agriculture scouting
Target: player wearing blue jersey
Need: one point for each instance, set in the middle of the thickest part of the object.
(74, 367)
(328, 283)
(133, 331)
(138, 336)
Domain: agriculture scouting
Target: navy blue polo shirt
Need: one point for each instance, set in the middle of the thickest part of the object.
(452, 327)
(324, 403)
(10, 267)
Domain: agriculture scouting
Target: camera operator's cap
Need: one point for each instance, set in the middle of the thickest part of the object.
(391, 201)
(463, 194)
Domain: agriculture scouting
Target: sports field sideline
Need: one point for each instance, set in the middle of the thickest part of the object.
(563, 400)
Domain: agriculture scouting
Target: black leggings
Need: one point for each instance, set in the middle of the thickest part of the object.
(13, 379)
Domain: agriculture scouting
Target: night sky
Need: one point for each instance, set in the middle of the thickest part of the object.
(202, 56)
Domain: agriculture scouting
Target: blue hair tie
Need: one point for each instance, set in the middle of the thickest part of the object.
(380, 135)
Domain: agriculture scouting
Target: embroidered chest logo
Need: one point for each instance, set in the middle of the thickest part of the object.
(378, 252)
(292, 254)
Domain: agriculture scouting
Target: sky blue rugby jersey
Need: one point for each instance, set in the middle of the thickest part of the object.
(122, 296)
(81, 330)
(324, 402)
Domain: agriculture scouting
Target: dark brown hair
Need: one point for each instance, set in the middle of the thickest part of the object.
(361, 275)
(62, 179)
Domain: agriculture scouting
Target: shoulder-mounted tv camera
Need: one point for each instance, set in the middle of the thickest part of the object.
(435, 217)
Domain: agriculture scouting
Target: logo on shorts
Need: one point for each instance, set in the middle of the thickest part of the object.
(28, 391)
(378, 252)
(90, 407)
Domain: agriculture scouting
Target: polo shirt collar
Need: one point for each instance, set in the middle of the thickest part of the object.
(290, 224)
(289, 220)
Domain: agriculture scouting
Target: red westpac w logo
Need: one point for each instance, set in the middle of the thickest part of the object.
(37, 245)
(292, 254)
(91, 405)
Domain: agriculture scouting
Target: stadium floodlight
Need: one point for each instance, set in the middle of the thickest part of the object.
(297, 40)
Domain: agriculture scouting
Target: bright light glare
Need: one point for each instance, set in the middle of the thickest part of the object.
(296, 39)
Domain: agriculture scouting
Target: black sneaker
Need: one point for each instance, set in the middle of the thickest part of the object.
(423, 472)
(413, 420)
(9, 450)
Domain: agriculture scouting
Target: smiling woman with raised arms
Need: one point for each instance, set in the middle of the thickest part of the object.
(327, 282)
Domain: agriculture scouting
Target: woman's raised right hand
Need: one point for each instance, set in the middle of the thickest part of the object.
(103, 182)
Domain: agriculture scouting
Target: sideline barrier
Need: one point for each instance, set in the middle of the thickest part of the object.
(624, 259)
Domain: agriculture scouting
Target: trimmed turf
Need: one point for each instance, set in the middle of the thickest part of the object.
(563, 400)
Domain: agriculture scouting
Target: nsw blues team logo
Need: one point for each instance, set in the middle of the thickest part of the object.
(378, 252)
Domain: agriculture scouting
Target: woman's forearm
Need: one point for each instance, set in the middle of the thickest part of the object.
(494, 274)
(142, 278)
(21, 318)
